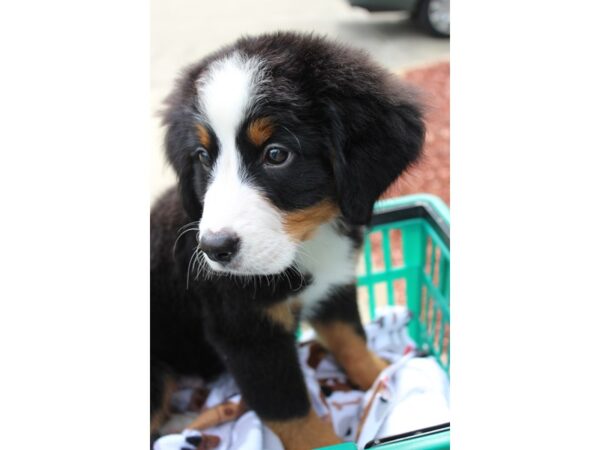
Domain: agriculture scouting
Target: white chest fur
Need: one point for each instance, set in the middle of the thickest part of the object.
(330, 258)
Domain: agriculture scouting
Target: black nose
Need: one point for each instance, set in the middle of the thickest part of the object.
(220, 246)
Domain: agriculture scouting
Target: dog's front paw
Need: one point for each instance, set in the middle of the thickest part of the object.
(187, 440)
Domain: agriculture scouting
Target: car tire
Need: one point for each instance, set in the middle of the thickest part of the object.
(434, 17)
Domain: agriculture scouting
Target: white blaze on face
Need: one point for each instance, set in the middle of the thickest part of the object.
(226, 93)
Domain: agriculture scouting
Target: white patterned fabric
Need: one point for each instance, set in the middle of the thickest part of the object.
(411, 393)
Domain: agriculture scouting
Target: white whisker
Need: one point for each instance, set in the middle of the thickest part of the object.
(187, 281)
(182, 231)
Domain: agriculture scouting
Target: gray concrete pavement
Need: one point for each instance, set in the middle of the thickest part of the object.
(183, 31)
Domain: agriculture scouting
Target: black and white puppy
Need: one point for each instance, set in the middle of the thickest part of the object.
(281, 144)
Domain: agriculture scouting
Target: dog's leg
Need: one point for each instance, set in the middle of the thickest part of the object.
(304, 433)
(259, 349)
(337, 322)
(162, 386)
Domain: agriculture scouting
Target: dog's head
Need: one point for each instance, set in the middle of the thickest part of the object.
(276, 135)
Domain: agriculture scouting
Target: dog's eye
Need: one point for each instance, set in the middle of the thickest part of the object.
(202, 154)
(276, 156)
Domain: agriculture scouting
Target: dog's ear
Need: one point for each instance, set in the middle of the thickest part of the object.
(180, 139)
(178, 145)
(187, 190)
(377, 131)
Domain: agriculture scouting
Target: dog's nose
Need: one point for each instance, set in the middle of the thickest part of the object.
(220, 246)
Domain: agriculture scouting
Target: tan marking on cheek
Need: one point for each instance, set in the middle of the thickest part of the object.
(285, 314)
(350, 350)
(260, 130)
(203, 135)
(300, 225)
(304, 433)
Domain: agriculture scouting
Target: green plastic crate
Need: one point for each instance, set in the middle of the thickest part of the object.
(407, 260)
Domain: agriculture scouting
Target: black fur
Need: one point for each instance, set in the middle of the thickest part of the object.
(353, 129)
(225, 312)
(335, 107)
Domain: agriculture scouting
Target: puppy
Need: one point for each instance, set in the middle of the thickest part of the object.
(281, 144)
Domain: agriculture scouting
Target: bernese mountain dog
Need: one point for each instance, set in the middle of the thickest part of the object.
(281, 144)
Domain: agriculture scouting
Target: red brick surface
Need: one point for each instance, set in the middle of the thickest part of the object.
(432, 173)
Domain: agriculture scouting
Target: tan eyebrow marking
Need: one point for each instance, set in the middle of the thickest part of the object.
(260, 130)
(203, 135)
